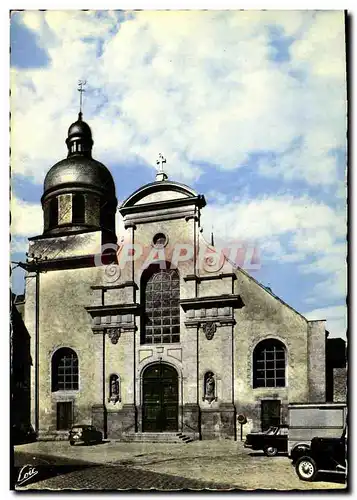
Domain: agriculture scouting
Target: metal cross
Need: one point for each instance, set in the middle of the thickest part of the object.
(161, 162)
(81, 84)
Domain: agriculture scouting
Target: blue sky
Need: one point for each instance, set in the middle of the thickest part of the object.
(249, 108)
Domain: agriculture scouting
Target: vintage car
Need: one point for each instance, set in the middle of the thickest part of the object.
(324, 455)
(85, 434)
(271, 441)
(23, 433)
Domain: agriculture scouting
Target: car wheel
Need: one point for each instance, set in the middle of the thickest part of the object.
(71, 443)
(270, 451)
(306, 468)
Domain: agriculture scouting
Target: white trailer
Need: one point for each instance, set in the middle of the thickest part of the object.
(309, 420)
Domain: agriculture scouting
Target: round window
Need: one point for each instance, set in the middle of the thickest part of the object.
(159, 240)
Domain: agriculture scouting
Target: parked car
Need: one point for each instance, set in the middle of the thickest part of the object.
(324, 455)
(272, 441)
(84, 434)
(23, 433)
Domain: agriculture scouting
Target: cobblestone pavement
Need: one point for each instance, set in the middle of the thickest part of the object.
(120, 477)
(198, 465)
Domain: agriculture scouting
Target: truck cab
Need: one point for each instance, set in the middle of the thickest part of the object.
(324, 455)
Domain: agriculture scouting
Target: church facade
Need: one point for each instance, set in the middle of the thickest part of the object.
(155, 331)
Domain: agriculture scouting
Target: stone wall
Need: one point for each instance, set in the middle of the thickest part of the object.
(339, 385)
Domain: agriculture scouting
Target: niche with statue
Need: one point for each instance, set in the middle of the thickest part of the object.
(114, 388)
(209, 387)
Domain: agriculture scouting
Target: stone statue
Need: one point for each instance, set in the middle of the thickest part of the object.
(210, 387)
(114, 389)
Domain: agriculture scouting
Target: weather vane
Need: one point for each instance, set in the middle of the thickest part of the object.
(161, 162)
(81, 84)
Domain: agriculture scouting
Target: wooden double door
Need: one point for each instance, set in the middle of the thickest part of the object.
(160, 399)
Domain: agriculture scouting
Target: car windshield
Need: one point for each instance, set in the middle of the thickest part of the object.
(271, 430)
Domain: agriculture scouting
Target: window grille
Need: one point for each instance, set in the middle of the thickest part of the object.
(162, 308)
(64, 370)
(269, 364)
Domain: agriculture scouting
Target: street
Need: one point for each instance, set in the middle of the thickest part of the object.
(160, 466)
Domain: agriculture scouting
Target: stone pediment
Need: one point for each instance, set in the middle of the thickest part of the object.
(161, 200)
(159, 192)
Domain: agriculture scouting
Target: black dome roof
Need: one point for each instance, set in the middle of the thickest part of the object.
(79, 128)
(79, 170)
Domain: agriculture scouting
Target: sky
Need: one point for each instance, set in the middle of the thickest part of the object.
(248, 107)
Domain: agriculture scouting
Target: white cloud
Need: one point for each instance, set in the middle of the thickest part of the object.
(336, 317)
(197, 85)
(19, 244)
(288, 229)
(268, 216)
(26, 219)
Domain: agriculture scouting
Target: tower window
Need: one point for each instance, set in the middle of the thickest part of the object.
(78, 206)
(53, 213)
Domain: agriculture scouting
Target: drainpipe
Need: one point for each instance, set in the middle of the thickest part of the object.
(198, 382)
(37, 331)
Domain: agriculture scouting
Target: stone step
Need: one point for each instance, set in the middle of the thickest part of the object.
(140, 437)
(158, 437)
(52, 436)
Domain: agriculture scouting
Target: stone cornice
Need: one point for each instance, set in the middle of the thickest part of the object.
(154, 187)
(126, 284)
(217, 320)
(193, 277)
(162, 205)
(212, 301)
(112, 309)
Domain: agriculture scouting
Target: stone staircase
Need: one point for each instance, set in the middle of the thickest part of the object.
(159, 437)
(52, 436)
(137, 437)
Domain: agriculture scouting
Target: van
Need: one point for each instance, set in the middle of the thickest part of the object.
(309, 420)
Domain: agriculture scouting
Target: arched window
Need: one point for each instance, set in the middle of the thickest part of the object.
(78, 206)
(53, 222)
(269, 364)
(64, 370)
(161, 297)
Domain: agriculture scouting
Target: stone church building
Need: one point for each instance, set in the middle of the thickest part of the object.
(153, 331)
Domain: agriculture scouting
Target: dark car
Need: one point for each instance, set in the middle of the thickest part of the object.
(324, 455)
(271, 441)
(23, 433)
(84, 434)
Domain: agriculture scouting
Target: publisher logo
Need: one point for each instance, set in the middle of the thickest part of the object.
(26, 473)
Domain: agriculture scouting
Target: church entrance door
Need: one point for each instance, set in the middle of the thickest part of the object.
(160, 399)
